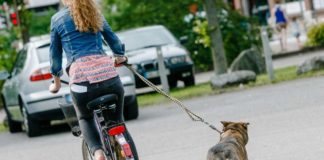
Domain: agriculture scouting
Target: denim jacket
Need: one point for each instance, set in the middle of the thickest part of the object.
(64, 36)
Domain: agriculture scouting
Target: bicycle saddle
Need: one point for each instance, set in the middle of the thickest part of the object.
(106, 99)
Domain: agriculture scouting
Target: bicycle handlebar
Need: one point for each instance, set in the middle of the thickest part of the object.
(125, 63)
(62, 81)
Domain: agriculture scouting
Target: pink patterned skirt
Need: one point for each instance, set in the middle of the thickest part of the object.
(92, 69)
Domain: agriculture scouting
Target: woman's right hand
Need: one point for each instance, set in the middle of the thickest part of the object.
(56, 86)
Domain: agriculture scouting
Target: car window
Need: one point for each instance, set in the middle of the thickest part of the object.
(20, 62)
(43, 53)
(139, 39)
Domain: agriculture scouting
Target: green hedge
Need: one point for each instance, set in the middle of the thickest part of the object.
(42, 22)
(316, 35)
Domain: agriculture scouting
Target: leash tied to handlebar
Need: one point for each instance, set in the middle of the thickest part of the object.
(194, 117)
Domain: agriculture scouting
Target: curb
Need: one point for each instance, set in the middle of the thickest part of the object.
(305, 50)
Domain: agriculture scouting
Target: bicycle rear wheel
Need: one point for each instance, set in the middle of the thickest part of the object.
(117, 151)
(86, 152)
(122, 146)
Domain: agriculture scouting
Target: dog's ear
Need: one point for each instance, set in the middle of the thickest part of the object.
(245, 125)
(225, 123)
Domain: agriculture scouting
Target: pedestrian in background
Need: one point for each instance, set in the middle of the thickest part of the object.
(281, 22)
(296, 30)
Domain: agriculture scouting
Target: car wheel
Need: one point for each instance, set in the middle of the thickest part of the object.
(14, 126)
(173, 83)
(31, 126)
(189, 81)
(131, 110)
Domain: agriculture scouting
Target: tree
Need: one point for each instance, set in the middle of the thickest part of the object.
(137, 13)
(43, 23)
(7, 53)
(239, 32)
(218, 52)
(23, 17)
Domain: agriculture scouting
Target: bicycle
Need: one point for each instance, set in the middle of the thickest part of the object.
(117, 143)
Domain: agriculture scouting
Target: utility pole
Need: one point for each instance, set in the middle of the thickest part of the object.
(162, 70)
(267, 52)
(311, 3)
(302, 12)
(218, 51)
(246, 5)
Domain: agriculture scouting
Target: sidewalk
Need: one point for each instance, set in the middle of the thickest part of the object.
(292, 45)
(281, 62)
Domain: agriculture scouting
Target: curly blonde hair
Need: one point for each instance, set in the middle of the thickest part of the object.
(86, 15)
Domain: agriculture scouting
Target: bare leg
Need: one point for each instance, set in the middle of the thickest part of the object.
(281, 41)
(298, 42)
(284, 39)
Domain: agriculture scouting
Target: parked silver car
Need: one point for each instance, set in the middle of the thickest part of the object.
(25, 94)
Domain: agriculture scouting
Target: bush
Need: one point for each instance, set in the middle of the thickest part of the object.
(200, 54)
(7, 54)
(316, 35)
(239, 32)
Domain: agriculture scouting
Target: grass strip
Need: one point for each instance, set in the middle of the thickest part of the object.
(2, 128)
(281, 75)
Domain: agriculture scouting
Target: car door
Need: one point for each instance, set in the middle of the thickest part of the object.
(11, 89)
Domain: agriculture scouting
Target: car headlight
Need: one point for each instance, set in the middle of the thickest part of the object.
(126, 80)
(179, 59)
(135, 66)
(188, 59)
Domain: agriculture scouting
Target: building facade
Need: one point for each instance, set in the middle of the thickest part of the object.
(261, 8)
(247, 7)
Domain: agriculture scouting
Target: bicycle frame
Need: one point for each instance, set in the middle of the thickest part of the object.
(110, 133)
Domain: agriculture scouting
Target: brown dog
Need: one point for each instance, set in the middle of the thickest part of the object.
(232, 143)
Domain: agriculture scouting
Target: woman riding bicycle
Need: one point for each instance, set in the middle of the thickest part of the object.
(77, 29)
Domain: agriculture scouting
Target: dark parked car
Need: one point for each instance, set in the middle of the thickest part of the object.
(141, 49)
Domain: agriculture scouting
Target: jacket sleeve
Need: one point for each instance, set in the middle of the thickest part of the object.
(113, 41)
(56, 52)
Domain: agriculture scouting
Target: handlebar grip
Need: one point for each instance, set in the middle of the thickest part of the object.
(125, 63)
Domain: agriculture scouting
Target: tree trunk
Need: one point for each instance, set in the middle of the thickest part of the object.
(22, 20)
(218, 52)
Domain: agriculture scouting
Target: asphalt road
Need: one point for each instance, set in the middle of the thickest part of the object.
(286, 123)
